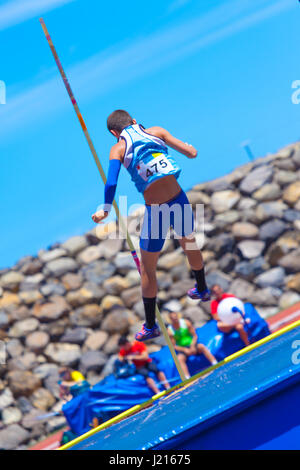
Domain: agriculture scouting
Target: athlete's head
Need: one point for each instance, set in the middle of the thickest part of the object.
(118, 120)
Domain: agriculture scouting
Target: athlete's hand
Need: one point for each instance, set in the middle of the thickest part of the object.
(193, 153)
(99, 216)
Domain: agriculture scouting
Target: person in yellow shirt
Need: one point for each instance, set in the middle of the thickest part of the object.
(71, 383)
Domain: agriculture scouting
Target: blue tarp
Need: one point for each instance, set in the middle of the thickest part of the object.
(112, 396)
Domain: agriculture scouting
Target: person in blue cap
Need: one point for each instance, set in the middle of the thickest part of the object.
(144, 153)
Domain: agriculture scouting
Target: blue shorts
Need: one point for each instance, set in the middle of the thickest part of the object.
(158, 218)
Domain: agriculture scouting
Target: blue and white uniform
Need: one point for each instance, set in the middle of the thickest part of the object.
(146, 157)
(147, 160)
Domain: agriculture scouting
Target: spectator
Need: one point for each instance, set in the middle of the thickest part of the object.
(137, 353)
(184, 339)
(218, 294)
(71, 383)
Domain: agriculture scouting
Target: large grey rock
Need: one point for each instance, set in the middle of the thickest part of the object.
(75, 244)
(6, 399)
(75, 336)
(272, 229)
(12, 436)
(217, 277)
(14, 347)
(291, 262)
(50, 255)
(274, 278)
(285, 177)
(37, 341)
(242, 230)
(11, 280)
(268, 192)
(42, 399)
(52, 310)
(11, 415)
(89, 315)
(61, 266)
(223, 201)
(63, 353)
(24, 327)
(221, 244)
(22, 383)
(242, 289)
(98, 271)
(269, 210)
(266, 297)
(118, 321)
(31, 267)
(96, 340)
(92, 360)
(52, 288)
(256, 179)
(250, 249)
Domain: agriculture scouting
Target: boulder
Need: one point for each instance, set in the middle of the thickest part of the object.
(291, 261)
(256, 179)
(37, 341)
(12, 436)
(274, 278)
(92, 361)
(268, 192)
(223, 201)
(292, 193)
(61, 266)
(250, 249)
(22, 328)
(75, 244)
(89, 315)
(118, 321)
(42, 399)
(243, 230)
(96, 340)
(11, 281)
(22, 383)
(72, 281)
(52, 310)
(50, 255)
(11, 415)
(63, 353)
(272, 229)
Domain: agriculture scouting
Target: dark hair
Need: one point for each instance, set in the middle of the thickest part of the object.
(118, 120)
(123, 340)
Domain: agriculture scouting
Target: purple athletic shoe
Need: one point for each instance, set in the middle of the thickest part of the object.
(147, 333)
(195, 294)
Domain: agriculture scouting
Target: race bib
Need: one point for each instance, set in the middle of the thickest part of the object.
(159, 164)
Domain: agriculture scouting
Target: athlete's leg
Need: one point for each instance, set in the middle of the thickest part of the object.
(182, 358)
(206, 352)
(184, 229)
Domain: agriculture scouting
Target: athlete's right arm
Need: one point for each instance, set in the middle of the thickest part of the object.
(176, 144)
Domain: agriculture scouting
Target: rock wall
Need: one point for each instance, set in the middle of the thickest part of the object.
(69, 304)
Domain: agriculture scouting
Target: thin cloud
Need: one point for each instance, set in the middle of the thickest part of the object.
(18, 11)
(100, 74)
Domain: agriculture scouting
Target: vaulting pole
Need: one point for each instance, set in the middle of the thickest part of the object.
(103, 176)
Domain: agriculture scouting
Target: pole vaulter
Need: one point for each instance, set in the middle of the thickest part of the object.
(103, 176)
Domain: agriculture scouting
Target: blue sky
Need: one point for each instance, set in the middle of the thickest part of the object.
(213, 72)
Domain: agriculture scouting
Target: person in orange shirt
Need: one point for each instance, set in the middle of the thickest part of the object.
(137, 353)
(218, 294)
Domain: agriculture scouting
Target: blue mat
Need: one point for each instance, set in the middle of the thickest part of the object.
(113, 396)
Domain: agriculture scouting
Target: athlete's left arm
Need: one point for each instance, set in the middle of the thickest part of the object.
(115, 160)
(176, 144)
